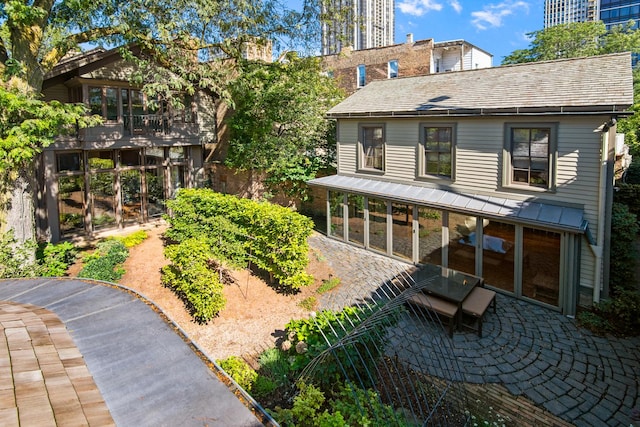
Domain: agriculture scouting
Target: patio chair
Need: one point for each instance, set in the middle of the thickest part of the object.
(475, 306)
(436, 305)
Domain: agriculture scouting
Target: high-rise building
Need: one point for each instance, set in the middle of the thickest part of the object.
(558, 12)
(611, 12)
(619, 12)
(362, 24)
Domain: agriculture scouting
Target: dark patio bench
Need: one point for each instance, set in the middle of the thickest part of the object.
(437, 305)
(475, 305)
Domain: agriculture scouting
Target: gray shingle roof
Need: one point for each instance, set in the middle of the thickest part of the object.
(597, 84)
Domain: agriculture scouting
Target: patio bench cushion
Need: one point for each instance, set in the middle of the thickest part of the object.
(438, 305)
(476, 305)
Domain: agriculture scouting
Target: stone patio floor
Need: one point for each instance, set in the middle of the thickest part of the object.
(533, 351)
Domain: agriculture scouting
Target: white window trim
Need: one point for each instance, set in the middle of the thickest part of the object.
(389, 69)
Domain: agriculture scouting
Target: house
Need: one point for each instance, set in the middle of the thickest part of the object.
(353, 69)
(119, 173)
(505, 173)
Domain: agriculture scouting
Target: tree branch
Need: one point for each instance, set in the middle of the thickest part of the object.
(54, 56)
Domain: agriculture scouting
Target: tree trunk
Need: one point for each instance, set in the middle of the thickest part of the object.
(19, 206)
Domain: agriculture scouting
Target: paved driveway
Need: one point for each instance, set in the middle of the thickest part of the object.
(147, 374)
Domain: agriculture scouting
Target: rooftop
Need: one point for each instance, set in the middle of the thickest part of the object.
(592, 85)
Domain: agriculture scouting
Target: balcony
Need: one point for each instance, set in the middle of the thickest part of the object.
(142, 127)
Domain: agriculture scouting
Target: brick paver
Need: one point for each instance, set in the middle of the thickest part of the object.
(527, 351)
(43, 378)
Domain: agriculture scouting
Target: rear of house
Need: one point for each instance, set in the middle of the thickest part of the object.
(505, 173)
(121, 172)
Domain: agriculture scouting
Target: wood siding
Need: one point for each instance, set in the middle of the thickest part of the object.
(479, 162)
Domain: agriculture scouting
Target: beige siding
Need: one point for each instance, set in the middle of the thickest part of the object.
(479, 162)
(119, 70)
(347, 142)
(57, 92)
(402, 139)
(478, 155)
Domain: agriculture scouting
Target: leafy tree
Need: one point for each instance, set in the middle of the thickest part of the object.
(278, 126)
(177, 44)
(574, 40)
(27, 125)
(630, 126)
(587, 39)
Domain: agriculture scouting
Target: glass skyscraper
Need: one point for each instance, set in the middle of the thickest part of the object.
(362, 24)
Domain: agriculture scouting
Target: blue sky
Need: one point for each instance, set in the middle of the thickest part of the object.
(499, 27)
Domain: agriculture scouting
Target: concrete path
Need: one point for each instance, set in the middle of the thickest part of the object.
(146, 373)
(533, 351)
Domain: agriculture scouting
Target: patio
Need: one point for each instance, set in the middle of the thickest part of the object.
(538, 355)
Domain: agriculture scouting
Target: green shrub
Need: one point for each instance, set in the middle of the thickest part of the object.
(328, 285)
(307, 338)
(623, 259)
(191, 278)
(105, 262)
(131, 240)
(349, 407)
(272, 237)
(309, 303)
(240, 371)
(101, 269)
(17, 260)
(364, 408)
(632, 175)
(263, 387)
(56, 258)
(306, 409)
(618, 316)
(274, 364)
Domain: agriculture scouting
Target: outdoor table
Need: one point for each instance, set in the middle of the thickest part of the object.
(450, 285)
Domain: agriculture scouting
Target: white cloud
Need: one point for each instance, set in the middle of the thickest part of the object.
(493, 15)
(455, 4)
(419, 7)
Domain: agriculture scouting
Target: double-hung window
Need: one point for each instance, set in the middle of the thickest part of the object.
(531, 150)
(436, 151)
(372, 147)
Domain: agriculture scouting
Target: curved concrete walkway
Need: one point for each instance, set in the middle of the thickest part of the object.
(533, 351)
(144, 370)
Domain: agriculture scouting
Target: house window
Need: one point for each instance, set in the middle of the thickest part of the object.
(104, 102)
(437, 144)
(393, 69)
(372, 143)
(362, 76)
(530, 150)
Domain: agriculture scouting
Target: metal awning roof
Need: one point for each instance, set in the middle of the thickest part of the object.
(529, 212)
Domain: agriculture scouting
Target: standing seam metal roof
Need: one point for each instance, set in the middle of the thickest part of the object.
(531, 212)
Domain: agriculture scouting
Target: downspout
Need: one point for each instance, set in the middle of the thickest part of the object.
(598, 248)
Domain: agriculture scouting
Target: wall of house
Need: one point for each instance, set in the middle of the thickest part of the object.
(475, 58)
(116, 71)
(478, 163)
(58, 92)
(414, 59)
(450, 59)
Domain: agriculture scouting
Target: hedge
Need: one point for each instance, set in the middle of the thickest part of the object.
(272, 237)
(191, 278)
